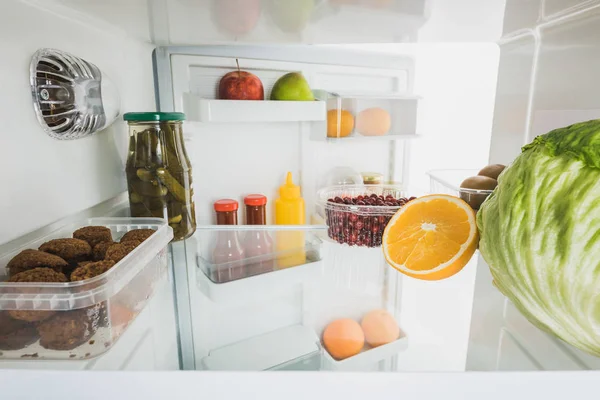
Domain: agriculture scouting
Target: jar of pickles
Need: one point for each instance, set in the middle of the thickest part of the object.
(159, 173)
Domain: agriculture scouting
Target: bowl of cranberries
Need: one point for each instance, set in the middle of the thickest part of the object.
(357, 214)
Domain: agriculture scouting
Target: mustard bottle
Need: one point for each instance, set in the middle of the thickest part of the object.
(289, 207)
(290, 210)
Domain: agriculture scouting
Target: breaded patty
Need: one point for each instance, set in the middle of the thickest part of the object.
(99, 251)
(93, 235)
(137, 234)
(35, 275)
(39, 275)
(71, 250)
(91, 270)
(15, 334)
(30, 259)
(69, 329)
(118, 251)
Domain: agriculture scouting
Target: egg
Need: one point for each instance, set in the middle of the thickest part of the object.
(373, 122)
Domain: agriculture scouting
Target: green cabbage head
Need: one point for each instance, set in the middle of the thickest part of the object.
(540, 234)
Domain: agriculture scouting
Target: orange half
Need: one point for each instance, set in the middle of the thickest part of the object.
(431, 238)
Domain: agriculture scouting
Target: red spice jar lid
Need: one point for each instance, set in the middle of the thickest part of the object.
(255, 200)
(225, 205)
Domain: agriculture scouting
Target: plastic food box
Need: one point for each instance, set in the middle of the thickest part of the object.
(87, 316)
(447, 181)
(292, 255)
(360, 225)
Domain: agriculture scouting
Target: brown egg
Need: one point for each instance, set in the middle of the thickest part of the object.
(373, 122)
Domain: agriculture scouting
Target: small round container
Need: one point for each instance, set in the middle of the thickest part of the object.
(372, 178)
(356, 224)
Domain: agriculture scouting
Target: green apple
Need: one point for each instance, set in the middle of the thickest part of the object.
(292, 86)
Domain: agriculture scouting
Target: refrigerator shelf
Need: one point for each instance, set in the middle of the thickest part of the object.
(372, 117)
(294, 258)
(370, 356)
(271, 351)
(210, 110)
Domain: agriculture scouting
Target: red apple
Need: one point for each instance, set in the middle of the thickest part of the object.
(241, 85)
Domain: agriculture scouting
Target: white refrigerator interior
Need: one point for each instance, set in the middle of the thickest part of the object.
(465, 84)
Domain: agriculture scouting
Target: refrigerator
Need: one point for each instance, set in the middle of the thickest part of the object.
(464, 84)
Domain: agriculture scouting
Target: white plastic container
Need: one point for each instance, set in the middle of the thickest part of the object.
(367, 357)
(93, 313)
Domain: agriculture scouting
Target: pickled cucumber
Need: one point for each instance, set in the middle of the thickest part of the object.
(148, 189)
(135, 197)
(173, 185)
(145, 175)
(175, 220)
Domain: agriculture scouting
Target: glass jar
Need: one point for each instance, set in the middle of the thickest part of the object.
(258, 245)
(159, 172)
(228, 253)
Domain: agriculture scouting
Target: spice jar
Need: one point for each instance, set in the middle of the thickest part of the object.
(159, 173)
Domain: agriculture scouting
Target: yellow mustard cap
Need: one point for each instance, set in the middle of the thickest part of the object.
(289, 190)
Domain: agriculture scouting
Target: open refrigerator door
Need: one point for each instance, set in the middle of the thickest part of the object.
(397, 99)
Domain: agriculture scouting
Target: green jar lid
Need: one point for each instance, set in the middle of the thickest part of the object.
(154, 116)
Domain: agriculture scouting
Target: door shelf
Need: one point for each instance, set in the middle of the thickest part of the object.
(368, 118)
(293, 256)
(210, 110)
(270, 351)
(367, 357)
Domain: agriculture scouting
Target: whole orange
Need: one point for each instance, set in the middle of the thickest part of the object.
(380, 328)
(343, 338)
(340, 123)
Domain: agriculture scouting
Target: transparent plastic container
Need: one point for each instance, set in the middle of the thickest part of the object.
(360, 225)
(87, 316)
(253, 275)
(447, 181)
(371, 117)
